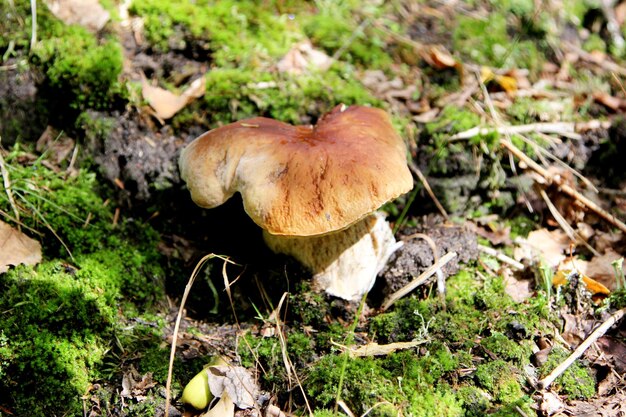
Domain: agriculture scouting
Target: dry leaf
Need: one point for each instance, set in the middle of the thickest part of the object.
(374, 349)
(17, 248)
(518, 289)
(165, 103)
(613, 352)
(551, 246)
(551, 404)
(562, 276)
(607, 100)
(601, 270)
(438, 57)
(235, 381)
(302, 57)
(506, 82)
(86, 13)
(225, 407)
(57, 145)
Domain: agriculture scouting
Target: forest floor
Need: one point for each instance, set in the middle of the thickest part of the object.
(512, 113)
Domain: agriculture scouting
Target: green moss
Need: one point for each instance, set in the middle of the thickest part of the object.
(508, 349)
(78, 69)
(500, 380)
(64, 314)
(365, 382)
(576, 382)
(335, 28)
(229, 33)
(66, 209)
(83, 70)
(487, 42)
(234, 94)
(404, 379)
(475, 400)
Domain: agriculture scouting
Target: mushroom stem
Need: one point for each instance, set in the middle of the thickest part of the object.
(344, 263)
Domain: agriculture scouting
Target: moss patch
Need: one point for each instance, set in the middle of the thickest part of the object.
(59, 318)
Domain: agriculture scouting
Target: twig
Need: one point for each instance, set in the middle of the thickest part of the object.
(179, 316)
(600, 331)
(441, 280)
(603, 62)
(414, 168)
(7, 189)
(286, 360)
(33, 34)
(501, 257)
(418, 281)
(569, 230)
(569, 129)
(567, 189)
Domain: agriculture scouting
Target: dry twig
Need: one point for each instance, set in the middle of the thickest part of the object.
(7, 188)
(501, 257)
(567, 189)
(599, 332)
(417, 281)
(179, 317)
(414, 168)
(567, 129)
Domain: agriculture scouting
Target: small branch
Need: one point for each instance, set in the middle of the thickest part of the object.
(418, 281)
(418, 173)
(33, 34)
(567, 189)
(599, 332)
(179, 317)
(7, 188)
(568, 129)
(501, 257)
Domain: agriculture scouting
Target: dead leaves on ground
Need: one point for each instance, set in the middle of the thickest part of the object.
(165, 103)
(87, 13)
(233, 385)
(303, 58)
(16, 248)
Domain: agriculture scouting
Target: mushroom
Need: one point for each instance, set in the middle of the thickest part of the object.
(314, 190)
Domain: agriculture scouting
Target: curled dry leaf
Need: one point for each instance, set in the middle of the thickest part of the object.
(518, 289)
(302, 57)
(551, 246)
(225, 407)
(165, 103)
(600, 268)
(236, 382)
(551, 404)
(374, 349)
(437, 56)
(86, 13)
(17, 248)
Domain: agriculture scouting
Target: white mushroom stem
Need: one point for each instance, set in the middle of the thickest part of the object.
(344, 263)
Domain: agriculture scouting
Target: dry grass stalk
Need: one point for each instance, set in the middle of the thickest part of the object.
(599, 332)
(179, 316)
(417, 281)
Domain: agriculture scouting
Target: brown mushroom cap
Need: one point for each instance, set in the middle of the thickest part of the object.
(301, 180)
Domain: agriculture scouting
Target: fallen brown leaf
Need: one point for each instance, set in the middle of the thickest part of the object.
(225, 407)
(17, 248)
(234, 381)
(551, 246)
(601, 270)
(593, 286)
(86, 13)
(165, 103)
(518, 289)
(302, 57)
